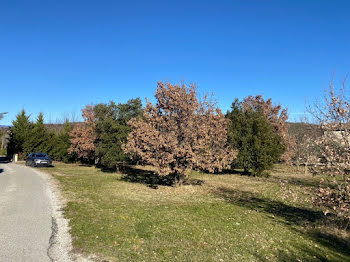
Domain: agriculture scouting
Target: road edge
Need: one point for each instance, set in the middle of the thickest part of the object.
(60, 247)
(60, 242)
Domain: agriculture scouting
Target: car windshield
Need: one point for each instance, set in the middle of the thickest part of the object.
(40, 155)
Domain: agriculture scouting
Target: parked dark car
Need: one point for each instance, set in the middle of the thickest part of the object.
(3, 159)
(38, 159)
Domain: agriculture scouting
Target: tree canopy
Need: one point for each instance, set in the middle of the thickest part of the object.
(255, 139)
(180, 133)
(111, 130)
(59, 143)
(38, 137)
(82, 136)
(277, 116)
(20, 130)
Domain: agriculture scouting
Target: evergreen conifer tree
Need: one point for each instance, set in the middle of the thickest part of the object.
(38, 138)
(259, 147)
(60, 143)
(111, 130)
(20, 130)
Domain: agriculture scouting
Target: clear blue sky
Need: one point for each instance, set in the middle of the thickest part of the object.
(57, 56)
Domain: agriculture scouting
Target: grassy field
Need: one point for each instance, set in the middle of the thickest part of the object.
(225, 217)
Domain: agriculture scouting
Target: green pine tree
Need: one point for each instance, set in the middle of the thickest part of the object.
(112, 130)
(59, 144)
(38, 138)
(259, 147)
(20, 130)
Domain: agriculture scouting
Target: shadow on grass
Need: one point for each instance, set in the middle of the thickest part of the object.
(336, 243)
(228, 172)
(335, 253)
(297, 181)
(333, 242)
(152, 179)
(307, 182)
(86, 165)
(305, 254)
(284, 256)
(107, 170)
(292, 216)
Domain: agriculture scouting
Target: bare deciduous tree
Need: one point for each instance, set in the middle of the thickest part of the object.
(2, 115)
(306, 152)
(180, 133)
(333, 115)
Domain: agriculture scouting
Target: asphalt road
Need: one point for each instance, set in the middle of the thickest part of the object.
(26, 215)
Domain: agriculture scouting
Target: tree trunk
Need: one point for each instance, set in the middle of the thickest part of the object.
(347, 224)
(306, 167)
(246, 170)
(178, 179)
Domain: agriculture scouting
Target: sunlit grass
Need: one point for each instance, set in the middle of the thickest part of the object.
(227, 218)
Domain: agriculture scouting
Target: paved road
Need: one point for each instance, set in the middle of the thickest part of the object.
(25, 215)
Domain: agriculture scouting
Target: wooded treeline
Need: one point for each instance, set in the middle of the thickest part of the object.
(181, 132)
(96, 140)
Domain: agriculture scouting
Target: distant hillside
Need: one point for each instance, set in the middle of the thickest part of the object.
(58, 127)
(50, 127)
(298, 130)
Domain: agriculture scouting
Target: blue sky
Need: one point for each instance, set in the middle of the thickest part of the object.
(57, 56)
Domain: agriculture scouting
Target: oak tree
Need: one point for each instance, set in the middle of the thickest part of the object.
(180, 133)
(82, 136)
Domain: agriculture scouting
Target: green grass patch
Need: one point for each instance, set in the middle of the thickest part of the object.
(227, 217)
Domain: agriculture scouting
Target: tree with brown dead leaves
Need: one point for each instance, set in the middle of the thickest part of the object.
(82, 136)
(180, 133)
